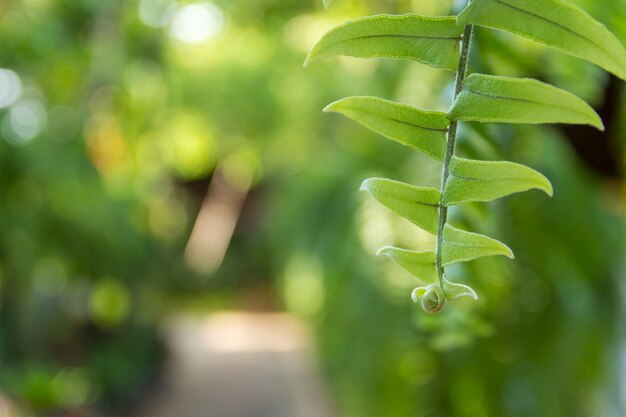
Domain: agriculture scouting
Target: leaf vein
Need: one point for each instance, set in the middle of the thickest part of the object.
(499, 179)
(412, 201)
(330, 45)
(544, 19)
(468, 178)
(434, 129)
(554, 23)
(525, 100)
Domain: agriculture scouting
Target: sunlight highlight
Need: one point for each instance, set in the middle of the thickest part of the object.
(10, 87)
(196, 23)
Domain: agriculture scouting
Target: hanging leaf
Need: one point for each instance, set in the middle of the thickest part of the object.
(420, 130)
(556, 23)
(417, 204)
(326, 4)
(487, 98)
(462, 246)
(454, 290)
(420, 264)
(430, 40)
(472, 180)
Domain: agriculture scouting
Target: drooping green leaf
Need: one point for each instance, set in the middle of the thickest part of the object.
(421, 130)
(454, 290)
(472, 180)
(420, 264)
(488, 98)
(430, 40)
(556, 23)
(462, 246)
(326, 4)
(420, 205)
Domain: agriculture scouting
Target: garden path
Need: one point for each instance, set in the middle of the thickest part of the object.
(237, 364)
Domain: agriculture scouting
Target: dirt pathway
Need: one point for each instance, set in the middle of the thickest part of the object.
(239, 365)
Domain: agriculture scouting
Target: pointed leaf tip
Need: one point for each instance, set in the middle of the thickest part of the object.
(421, 130)
(326, 4)
(366, 184)
(548, 188)
(329, 108)
(307, 60)
(384, 251)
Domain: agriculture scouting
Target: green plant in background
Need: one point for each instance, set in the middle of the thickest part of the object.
(445, 42)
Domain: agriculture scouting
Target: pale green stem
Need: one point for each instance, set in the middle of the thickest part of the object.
(452, 131)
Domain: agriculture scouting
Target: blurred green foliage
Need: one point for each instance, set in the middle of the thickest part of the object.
(125, 112)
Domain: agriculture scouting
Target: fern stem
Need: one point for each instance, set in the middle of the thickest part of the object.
(452, 133)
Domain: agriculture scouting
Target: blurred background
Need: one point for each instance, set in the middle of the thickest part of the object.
(181, 232)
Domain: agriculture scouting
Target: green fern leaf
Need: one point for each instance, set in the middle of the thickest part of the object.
(419, 205)
(472, 180)
(420, 130)
(454, 290)
(430, 40)
(462, 246)
(420, 264)
(556, 23)
(488, 98)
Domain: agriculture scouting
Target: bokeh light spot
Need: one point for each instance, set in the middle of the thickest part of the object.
(196, 23)
(168, 219)
(109, 303)
(26, 120)
(188, 145)
(72, 387)
(304, 285)
(154, 12)
(10, 87)
(143, 78)
(49, 277)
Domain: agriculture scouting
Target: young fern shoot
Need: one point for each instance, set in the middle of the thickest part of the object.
(445, 42)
